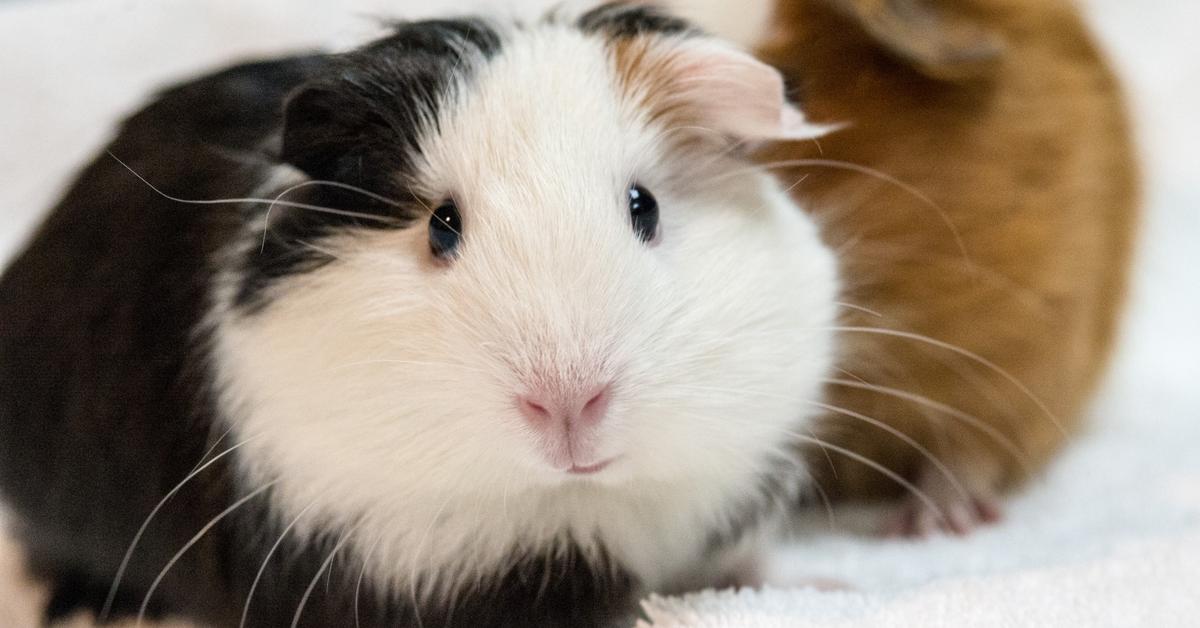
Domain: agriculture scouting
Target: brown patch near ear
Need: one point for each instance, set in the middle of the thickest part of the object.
(941, 44)
(644, 73)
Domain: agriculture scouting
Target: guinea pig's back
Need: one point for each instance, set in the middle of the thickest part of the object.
(991, 205)
(103, 376)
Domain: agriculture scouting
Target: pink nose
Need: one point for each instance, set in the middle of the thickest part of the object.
(555, 409)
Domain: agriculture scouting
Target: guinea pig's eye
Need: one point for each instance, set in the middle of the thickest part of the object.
(643, 210)
(445, 229)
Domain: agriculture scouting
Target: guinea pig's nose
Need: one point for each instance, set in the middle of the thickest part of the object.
(547, 407)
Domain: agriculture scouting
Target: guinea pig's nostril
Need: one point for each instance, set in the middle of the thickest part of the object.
(533, 410)
(597, 406)
(545, 408)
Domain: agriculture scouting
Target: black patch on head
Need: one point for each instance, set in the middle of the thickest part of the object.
(365, 115)
(620, 20)
(359, 122)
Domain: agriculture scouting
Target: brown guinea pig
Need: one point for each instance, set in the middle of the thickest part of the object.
(983, 200)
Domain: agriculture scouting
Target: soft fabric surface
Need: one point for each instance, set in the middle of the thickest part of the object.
(1110, 537)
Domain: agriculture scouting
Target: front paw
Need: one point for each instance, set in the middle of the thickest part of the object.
(956, 504)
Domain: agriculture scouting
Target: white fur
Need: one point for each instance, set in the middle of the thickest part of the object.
(379, 389)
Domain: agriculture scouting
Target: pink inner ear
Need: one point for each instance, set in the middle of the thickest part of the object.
(738, 95)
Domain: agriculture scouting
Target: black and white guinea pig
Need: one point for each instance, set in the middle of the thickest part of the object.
(480, 324)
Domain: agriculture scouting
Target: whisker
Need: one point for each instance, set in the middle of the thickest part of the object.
(908, 440)
(859, 308)
(850, 375)
(892, 475)
(316, 578)
(970, 355)
(263, 568)
(905, 438)
(112, 591)
(313, 247)
(191, 542)
(866, 170)
(996, 435)
(826, 502)
(362, 572)
(793, 186)
(837, 164)
(266, 201)
(212, 448)
(732, 147)
(828, 458)
(333, 184)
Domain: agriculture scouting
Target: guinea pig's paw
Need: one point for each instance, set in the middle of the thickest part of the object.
(944, 505)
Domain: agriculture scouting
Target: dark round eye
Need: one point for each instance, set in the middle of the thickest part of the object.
(445, 229)
(643, 210)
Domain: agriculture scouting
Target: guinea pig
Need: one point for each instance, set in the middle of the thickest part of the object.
(456, 328)
(983, 198)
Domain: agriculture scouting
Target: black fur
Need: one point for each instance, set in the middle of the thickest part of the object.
(620, 20)
(359, 123)
(106, 401)
(105, 395)
(560, 590)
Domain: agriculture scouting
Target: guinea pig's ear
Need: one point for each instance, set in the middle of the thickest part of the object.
(941, 44)
(317, 130)
(331, 133)
(721, 88)
(331, 129)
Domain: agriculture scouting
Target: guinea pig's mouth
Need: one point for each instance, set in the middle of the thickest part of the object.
(567, 423)
(591, 469)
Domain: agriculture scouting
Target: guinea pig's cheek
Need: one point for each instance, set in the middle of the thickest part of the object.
(743, 361)
(349, 357)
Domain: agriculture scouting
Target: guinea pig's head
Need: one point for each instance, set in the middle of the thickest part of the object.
(551, 272)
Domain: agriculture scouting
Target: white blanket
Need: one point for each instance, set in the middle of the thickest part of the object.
(1111, 536)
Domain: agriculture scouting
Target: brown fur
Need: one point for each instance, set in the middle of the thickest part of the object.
(1005, 116)
(644, 72)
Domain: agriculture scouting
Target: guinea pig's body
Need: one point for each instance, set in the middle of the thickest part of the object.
(475, 355)
(982, 199)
